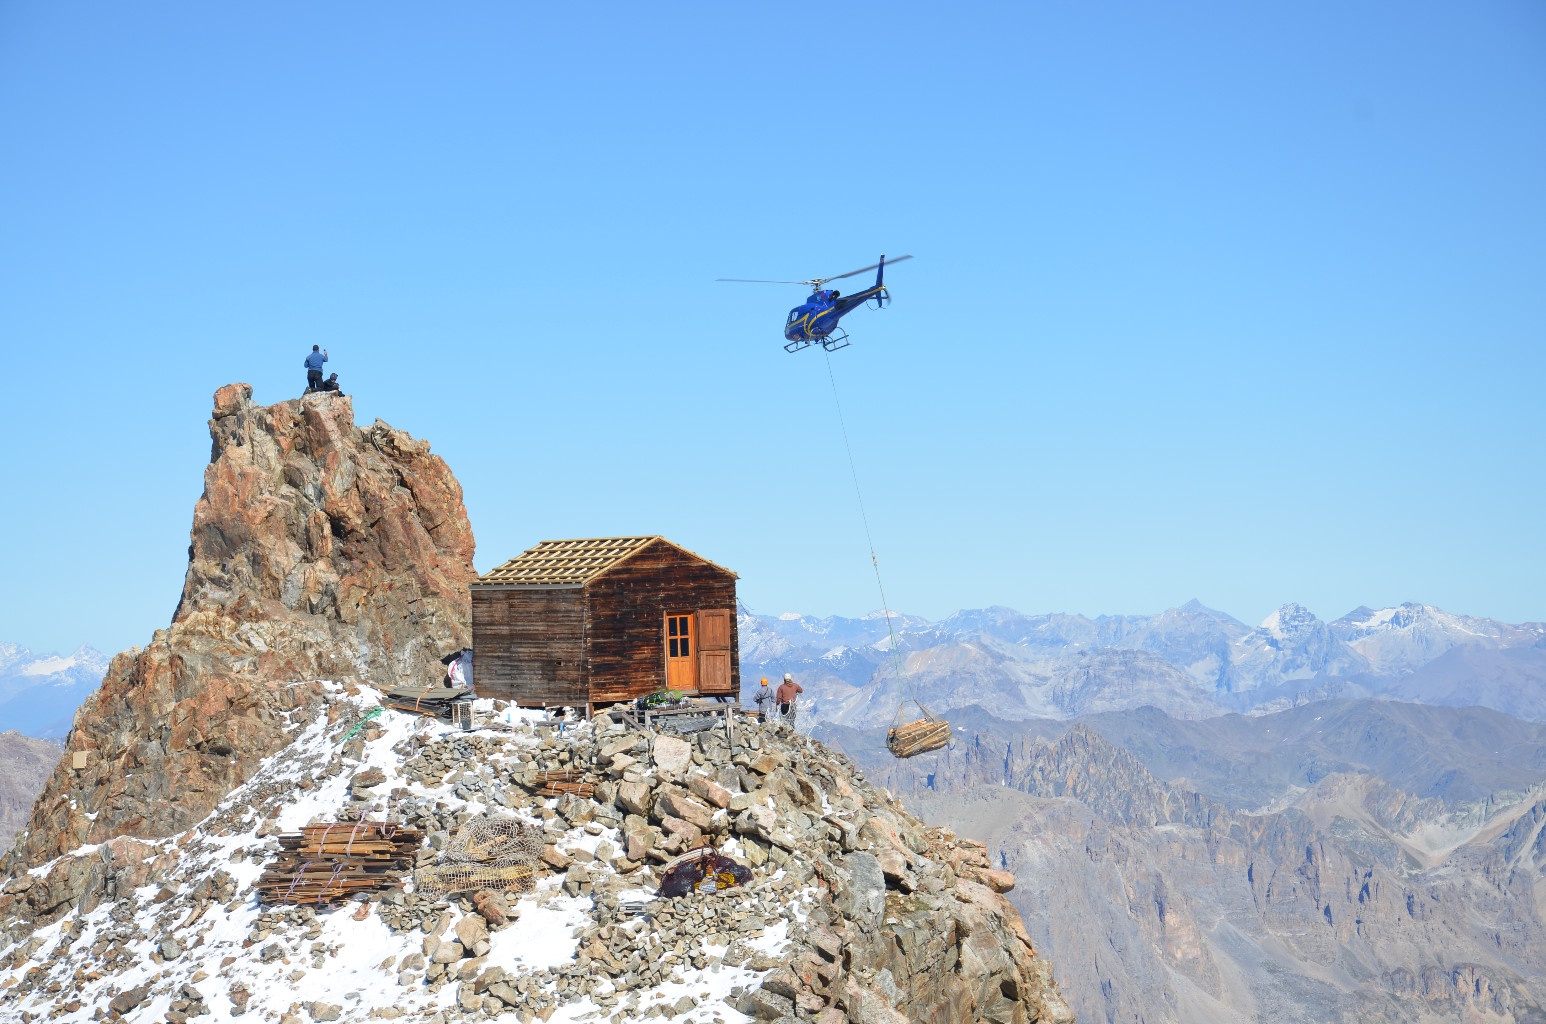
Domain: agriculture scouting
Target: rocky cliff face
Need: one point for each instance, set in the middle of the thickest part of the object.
(1374, 887)
(25, 763)
(319, 550)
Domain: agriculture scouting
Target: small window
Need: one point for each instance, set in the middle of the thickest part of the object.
(678, 630)
(794, 314)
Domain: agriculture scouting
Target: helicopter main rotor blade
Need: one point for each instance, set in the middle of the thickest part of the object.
(814, 282)
(861, 270)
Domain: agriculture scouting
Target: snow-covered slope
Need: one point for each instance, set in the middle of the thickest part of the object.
(181, 932)
(171, 929)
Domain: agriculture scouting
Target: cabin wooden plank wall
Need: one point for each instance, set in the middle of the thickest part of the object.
(549, 632)
(627, 607)
(528, 644)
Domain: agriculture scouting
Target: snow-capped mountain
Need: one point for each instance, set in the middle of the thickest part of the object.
(1191, 661)
(1400, 640)
(40, 692)
(1290, 644)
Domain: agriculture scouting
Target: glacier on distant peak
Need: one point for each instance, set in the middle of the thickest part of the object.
(1401, 639)
(40, 692)
(1194, 661)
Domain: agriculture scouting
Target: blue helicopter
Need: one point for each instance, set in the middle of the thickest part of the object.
(816, 319)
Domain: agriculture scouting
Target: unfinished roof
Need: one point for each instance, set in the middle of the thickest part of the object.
(570, 563)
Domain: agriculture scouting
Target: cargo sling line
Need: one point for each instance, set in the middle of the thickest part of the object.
(904, 686)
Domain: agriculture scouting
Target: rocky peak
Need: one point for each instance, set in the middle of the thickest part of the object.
(319, 550)
(1289, 620)
(1291, 643)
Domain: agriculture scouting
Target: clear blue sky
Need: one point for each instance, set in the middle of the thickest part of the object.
(1209, 300)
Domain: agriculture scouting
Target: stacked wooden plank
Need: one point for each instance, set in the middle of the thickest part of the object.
(558, 781)
(918, 737)
(332, 862)
(434, 700)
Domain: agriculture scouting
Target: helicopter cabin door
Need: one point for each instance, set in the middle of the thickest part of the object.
(681, 652)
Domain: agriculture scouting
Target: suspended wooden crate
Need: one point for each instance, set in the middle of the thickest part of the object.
(928, 733)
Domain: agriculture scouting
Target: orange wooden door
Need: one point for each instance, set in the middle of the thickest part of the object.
(714, 674)
(681, 651)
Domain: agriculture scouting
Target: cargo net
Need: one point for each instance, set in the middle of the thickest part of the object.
(497, 852)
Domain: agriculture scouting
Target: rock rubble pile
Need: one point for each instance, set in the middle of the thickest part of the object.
(856, 911)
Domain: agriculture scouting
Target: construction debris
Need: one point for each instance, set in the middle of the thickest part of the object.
(453, 703)
(495, 852)
(680, 714)
(332, 862)
(702, 870)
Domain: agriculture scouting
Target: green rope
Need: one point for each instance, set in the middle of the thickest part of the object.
(896, 656)
(374, 712)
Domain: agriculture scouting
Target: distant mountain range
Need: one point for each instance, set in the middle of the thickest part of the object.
(1347, 860)
(1192, 661)
(40, 692)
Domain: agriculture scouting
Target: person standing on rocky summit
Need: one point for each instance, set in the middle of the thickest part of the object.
(314, 360)
(788, 693)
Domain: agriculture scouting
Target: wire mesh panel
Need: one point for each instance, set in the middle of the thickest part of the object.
(489, 851)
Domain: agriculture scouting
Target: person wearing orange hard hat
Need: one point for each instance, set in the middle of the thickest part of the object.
(763, 698)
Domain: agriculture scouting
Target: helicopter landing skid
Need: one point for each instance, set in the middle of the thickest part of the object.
(832, 342)
(836, 340)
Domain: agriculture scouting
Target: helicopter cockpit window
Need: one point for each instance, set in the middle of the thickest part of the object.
(794, 314)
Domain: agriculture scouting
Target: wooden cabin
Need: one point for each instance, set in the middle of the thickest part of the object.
(594, 622)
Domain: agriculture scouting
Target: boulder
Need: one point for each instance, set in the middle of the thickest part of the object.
(762, 1004)
(998, 881)
(689, 833)
(741, 801)
(709, 791)
(634, 798)
(472, 930)
(864, 898)
(671, 754)
(128, 999)
(494, 907)
(784, 982)
(679, 805)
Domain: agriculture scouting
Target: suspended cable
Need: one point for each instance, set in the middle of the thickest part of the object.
(896, 656)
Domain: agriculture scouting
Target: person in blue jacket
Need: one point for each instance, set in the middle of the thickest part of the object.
(314, 360)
